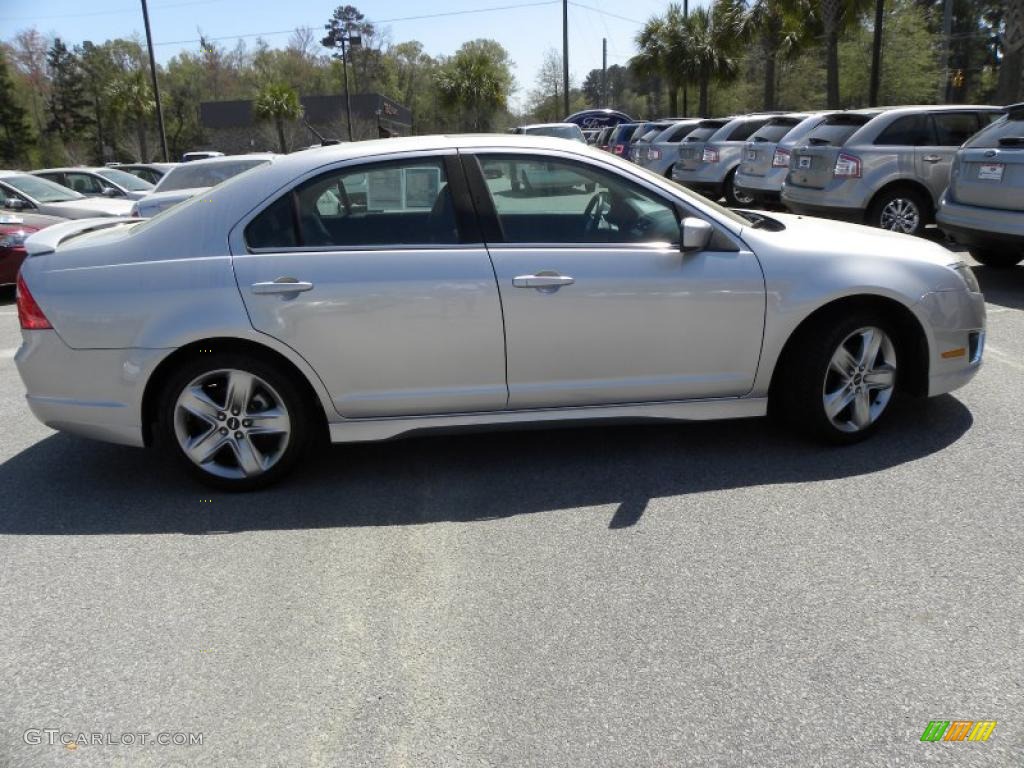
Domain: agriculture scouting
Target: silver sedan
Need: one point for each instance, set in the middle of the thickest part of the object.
(368, 290)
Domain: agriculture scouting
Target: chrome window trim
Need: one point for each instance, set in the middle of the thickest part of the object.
(364, 248)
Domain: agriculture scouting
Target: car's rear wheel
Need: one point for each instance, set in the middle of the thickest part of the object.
(900, 210)
(997, 259)
(235, 422)
(838, 381)
(736, 195)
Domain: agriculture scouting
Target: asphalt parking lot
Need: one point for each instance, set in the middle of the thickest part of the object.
(699, 595)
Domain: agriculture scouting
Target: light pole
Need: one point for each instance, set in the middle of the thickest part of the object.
(354, 41)
(156, 86)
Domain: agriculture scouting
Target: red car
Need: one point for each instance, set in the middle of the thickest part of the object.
(14, 228)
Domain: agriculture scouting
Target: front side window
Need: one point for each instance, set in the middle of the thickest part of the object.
(41, 190)
(551, 200)
(85, 183)
(908, 131)
(126, 180)
(401, 203)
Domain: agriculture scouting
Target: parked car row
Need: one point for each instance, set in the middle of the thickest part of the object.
(898, 168)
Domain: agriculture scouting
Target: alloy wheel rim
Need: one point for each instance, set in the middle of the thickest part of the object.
(860, 379)
(231, 424)
(741, 197)
(901, 215)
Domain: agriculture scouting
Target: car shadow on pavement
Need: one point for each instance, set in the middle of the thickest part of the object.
(67, 485)
(1004, 287)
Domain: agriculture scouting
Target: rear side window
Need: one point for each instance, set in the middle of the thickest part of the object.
(952, 130)
(908, 131)
(743, 131)
(403, 203)
(837, 129)
(774, 129)
(1008, 131)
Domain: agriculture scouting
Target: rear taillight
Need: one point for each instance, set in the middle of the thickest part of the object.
(780, 159)
(710, 155)
(618, 148)
(847, 166)
(30, 315)
(653, 154)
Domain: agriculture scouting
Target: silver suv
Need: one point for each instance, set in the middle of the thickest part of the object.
(983, 208)
(663, 149)
(765, 161)
(887, 167)
(710, 155)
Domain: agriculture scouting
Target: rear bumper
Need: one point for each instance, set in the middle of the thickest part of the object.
(982, 227)
(95, 393)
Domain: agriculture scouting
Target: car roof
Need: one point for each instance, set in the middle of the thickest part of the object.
(229, 158)
(550, 125)
(912, 108)
(71, 169)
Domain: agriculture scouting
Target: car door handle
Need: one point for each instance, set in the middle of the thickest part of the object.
(282, 285)
(542, 281)
(931, 158)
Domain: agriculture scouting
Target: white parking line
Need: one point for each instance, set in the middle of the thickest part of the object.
(1003, 357)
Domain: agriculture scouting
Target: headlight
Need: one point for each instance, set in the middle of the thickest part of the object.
(13, 239)
(967, 275)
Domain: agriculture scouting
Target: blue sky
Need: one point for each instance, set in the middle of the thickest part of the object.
(525, 31)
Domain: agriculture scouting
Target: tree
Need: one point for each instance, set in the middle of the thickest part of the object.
(781, 29)
(476, 83)
(68, 102)
(1011, 71)
(15, 136)
(277, 103)
(546, 99)
(836, 17)
(132, 97)
(346, 22)
(710, 42)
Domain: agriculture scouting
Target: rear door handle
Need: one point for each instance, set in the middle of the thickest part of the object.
(282, 285)
(931, 158)
(542, 281)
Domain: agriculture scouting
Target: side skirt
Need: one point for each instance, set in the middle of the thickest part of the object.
(359, 430)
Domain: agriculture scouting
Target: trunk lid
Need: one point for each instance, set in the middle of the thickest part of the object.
(989, 170)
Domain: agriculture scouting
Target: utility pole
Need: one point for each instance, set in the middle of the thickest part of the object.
(876, 55)
(156, 85)
(604, 71)
(686, 14)
(565, 56)
(947, 31)
(348, 99)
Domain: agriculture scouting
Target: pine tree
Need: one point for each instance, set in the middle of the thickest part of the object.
(68, 101)
(15, 137)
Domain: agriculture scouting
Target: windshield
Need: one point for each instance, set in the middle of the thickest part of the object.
(41, 190)
(205, 174)
(721, 210)
(126, 180)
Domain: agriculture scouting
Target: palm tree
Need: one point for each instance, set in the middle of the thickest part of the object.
(662, 55)
(782, 30)
(711, 41)
(836, 16)
(277, 103)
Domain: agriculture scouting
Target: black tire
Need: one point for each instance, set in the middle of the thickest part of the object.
(896, 197)
(732, 194)
(997, 259)
(798, 388)
(288, 450)
(668, 172)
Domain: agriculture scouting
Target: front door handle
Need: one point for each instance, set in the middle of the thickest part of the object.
(542, 281)
(931, 158)
(282, 285)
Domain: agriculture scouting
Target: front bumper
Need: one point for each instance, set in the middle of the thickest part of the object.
(955, 325)
(982, 227)
(95, 393)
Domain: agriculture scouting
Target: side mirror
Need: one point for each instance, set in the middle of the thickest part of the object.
(111, 192)
(694, 235)
(15, 204)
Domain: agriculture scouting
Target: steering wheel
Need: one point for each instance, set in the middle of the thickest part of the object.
(596, 209)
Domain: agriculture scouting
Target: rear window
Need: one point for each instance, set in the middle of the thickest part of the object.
(836, 129)
(775, 129)
(622, 133)
(704, 131)
(743, 131)
(205, 174)
(908, 131)
(1007, 131)
(558, 131)
(678, 133)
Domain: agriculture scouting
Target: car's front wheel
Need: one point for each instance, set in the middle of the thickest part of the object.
(234, 421)
(838, 382)
(997, 259)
